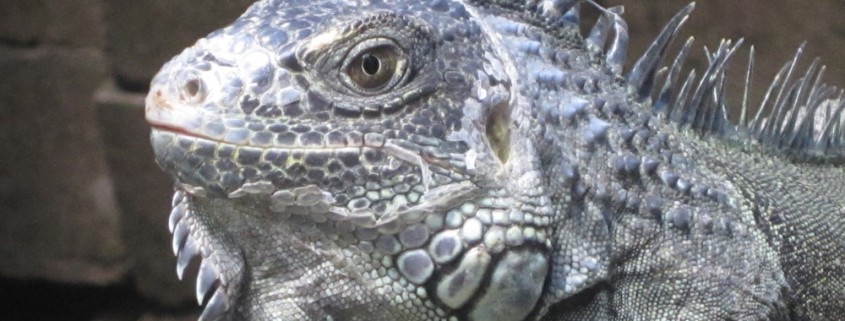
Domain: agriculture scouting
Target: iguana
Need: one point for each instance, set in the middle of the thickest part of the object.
(485, 160)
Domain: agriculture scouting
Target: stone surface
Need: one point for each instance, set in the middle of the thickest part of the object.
(59, 217)
(147, 316)
(143, 35)
(154, 317)
(143, 192)
(71, 23)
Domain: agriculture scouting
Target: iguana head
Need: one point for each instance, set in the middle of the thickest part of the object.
(326, 94)
(330, 157)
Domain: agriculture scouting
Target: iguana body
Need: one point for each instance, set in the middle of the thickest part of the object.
(439, 160)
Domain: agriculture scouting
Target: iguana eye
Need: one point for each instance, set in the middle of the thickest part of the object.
(374, 66)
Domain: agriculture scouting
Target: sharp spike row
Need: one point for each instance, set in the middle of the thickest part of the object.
(746, 92)
(188, 252)
(803, 133)
(598, 35)
(798, 115)
(836, 118)
(178, 198)
(835, 137)
(216, 307)
(661, 72)
(700, 106)
(708, 83)
(817, 86)
(642, 74)
(801, 107)
(572, 10)
(176, 215)
(800, 135)
(819, 95)
(706, 114)
(777, 125)
(793, 103)
(825, 109)
(619, 47)
(821, 112)
(616, 11)
(679, 105)
(206, 279)
(778, 103)
(799, 118)
(821, 134)
(180, 235)
(715, 117)
(711, 115)
(666, 94)
(720, 119)
(708, 55)
(601, 8)
(836, 140)
(725, 121)
(756, 123)
(696, 111)
(678, 109)
(832, 121)
(807, 81)
(788, 130)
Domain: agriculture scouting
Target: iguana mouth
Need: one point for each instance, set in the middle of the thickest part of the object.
(217, 168)
(181, 132)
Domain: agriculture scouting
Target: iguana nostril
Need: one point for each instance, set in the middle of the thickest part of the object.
(193, 87)
(193, 90)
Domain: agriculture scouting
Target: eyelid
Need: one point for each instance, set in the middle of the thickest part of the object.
(367, 45)
(318, 45)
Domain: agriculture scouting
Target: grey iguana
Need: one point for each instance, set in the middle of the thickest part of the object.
(484, 160)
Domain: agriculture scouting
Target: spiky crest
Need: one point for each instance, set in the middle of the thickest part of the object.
(559, 18)
(798, 117)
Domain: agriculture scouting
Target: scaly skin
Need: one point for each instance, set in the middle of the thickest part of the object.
(439, 160)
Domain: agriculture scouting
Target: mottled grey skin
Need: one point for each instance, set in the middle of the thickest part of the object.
(500, 168)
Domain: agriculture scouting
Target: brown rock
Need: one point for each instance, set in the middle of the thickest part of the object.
(70, 23)
(143, 35)
(145, 316)
(151, 317)
(58, 215)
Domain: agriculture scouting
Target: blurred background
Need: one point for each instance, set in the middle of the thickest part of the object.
(83, 207)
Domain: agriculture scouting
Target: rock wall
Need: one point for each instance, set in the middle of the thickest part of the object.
(83, 208)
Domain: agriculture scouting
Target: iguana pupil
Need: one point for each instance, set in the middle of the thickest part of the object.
(370, 64)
